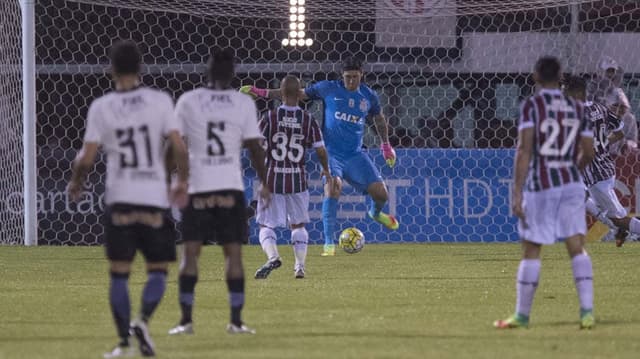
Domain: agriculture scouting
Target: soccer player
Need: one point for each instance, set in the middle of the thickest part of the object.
(288, 131)
(555, 142)
(347, 103)
(600, 175)
(131, 124)
(218, 122)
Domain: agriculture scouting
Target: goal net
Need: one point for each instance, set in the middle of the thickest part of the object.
(11, 208)
(450, 75)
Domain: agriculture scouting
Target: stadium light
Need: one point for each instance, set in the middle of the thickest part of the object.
(297, 26)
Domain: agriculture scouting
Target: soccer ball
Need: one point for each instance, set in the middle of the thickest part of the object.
(351, 240)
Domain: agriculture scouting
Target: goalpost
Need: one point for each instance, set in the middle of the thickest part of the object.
(450, 75)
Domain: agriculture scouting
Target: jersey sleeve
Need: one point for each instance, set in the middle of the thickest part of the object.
(526, 118)
(171, 121)
(374, 101)
(93, 132)
(314, 135)
(318, 91)
(251, 130)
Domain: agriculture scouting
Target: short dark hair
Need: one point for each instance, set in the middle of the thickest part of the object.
(351, 63)
(575, 84)
(125, 58)
(548, 69)
(221, 65)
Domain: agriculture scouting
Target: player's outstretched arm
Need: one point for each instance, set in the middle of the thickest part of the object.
(271, 94)
(383, 131)
(80, 167)
(257, 156)
(180, 161)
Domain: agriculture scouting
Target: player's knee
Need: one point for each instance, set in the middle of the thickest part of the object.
(120, 267)
(158, 266)
(266, 233)
(333, 189)
(299, 235)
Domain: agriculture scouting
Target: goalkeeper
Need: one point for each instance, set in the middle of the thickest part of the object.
(347, 103)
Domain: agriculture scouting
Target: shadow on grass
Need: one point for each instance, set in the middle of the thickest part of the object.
(50, 338)
(599, 322)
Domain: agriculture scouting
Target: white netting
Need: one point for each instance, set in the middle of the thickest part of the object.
(450, 75)
(11, 206)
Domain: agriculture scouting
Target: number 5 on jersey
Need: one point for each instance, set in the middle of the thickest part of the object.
(215, 147)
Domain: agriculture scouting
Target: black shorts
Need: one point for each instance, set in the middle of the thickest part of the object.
(132, 227)
(219, 216)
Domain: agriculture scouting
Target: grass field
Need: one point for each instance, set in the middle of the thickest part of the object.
(390, 301)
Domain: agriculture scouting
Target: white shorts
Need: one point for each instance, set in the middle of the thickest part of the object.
(284, 210)
(553, 214)
(605, 197)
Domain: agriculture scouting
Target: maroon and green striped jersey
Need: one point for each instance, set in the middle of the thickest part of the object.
(288, 132)
(558, 122)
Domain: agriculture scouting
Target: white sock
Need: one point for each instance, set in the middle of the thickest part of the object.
(527, 282)
(268, 242)
(583, 276)
(592, 207)
(634, 226)
(299, 239)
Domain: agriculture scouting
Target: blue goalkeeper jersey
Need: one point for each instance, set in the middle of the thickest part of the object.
(345, 113)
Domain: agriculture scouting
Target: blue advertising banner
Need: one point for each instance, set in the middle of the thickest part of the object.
(438, 195)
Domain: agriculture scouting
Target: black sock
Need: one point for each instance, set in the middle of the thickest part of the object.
(120, 304)
(236, 299)
(153, 292)
(186, 287)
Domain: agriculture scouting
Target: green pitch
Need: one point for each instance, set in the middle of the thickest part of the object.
(389, 301)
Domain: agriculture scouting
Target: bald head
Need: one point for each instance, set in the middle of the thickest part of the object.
(290, 89)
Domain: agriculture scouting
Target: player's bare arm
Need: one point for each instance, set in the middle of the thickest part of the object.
(323, 156)
(179, 155)
(80, 167)
(257, 156)
(587, 152)
(523, 157)
(271, 94)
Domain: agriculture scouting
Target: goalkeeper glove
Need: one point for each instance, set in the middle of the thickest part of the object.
(389, 154)
(254, 91)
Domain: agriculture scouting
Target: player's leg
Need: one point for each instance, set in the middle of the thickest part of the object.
(332, 193)
(572, 225)
(299, 240)
(120, 306)
(603, 196)
(120, 245)
(526, 284)
(158, 245)
(536, 230)
(269, 218)
(378, 197)
(583, 277)
(231, 232)
(193, 236)
(606, 197)
(234, 274)
(363, 175)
